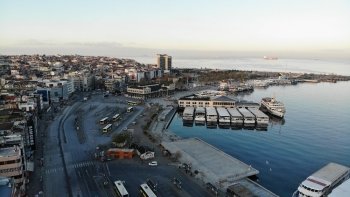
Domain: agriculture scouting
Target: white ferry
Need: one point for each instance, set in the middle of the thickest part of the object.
(188, 114)
(224, 117)
(199, 115)
(211, 116)
(273, 107)
(321, 183)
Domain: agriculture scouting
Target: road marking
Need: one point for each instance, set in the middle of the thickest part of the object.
(108, 170)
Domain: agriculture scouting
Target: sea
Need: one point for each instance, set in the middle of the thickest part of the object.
(314, 132)
(303, 65)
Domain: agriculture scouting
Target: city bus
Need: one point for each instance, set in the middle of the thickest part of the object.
(120, 189)
(132, 103)
(116, 117)
(146, 191)
(107, 128)
(130, 109)
(104, 120)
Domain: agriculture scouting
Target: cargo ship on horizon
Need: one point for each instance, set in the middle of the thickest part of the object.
(270, 58)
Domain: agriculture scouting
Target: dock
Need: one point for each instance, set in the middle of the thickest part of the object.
(217, 166)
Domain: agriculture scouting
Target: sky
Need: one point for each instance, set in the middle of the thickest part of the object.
(251, 28)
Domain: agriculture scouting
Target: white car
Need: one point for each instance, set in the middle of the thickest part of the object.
(153, 163)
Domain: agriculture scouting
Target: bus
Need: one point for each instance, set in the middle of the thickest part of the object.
(104, 120)
(120, 189)
(146, 191)
(116, 117)
(130, 109)
(132, 103)
(107, 128)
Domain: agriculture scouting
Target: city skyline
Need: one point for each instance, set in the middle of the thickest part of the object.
(187, 29)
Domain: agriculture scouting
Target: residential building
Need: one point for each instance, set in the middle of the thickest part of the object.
(12, 166)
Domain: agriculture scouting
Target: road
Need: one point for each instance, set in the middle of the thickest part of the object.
(71, 169)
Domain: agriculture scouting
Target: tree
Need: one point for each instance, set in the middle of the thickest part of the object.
(202, 175)
(177, 155)
(158, 138)
(119, 137)
(144, 81)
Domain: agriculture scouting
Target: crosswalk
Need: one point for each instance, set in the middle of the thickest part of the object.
(71, 166)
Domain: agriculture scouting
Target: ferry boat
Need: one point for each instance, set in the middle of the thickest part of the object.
(199, 115)
(211, 116)
(188, 114)
(236, 116)
(322, 182)
(224, 117)
(273, 107)
(260, 117)
(248, 117)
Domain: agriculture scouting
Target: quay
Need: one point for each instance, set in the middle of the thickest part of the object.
(219, 167)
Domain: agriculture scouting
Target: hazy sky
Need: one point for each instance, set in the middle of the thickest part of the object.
(298, 28)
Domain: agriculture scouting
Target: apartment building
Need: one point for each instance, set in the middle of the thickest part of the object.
(12, 166)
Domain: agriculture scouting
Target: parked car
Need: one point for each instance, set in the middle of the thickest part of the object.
(153, 163)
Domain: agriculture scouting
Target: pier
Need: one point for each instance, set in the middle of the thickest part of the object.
(217, 166)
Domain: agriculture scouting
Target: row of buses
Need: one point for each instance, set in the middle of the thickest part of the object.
(145, 190)
(114, 118)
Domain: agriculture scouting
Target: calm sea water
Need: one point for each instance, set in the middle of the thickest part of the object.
(320, 66)
(316, 131)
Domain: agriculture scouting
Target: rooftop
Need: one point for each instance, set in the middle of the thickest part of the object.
(9, 152)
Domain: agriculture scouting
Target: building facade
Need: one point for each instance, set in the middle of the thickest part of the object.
(213, 101)
(149, 91)
(11, 166)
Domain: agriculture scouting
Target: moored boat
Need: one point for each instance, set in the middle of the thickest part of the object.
(211, 116)
(224, 117)
(273, 107)
(188, 114)
(199, 115)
